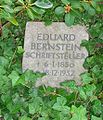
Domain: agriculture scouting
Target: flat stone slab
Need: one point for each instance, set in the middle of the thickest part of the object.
(56, 51)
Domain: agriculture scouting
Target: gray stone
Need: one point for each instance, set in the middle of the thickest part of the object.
(55, 50)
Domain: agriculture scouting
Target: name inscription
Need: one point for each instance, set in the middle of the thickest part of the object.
(55, 37)
(63, 50)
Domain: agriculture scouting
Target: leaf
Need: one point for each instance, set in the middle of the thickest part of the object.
(20, 50)
(36, 105)
(43, 4)
(5, 15)
(69, 19)
(4, 85)
(18, 8)
(9, 2)
(60, 105)
(8, 9)
(30, 13)
(82, 93)
(21, 80)
(63, 109)
(24, 118)
(97, 107)
(59, 10)
(13, 21)
(13, 108)
(69, 84)
(96, 118)
(3, 61)
(14, 76)
(94, 4)
(78, 113)
(89, 46)
(86, 78)
(38, 10)
(89, 9)
(2, 70)
(61, 100)
(30, 76)
(65, 2)
(89, 89)
(61, 116)
(6, 98)
(41, 118)
(8, 117)
(76, 4)
(97, 71)
(21, 1)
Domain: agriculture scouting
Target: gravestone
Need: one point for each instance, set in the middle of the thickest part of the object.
(54, 50)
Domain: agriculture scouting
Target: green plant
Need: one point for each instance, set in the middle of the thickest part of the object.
(33, 9)
(19, 98)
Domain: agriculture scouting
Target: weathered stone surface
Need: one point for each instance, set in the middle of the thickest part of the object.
(55, 50)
